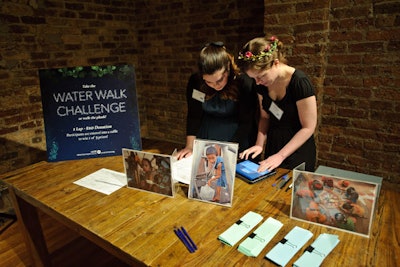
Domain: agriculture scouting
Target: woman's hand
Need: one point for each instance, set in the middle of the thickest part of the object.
(271, 162)
(255, 150)
(184, 153)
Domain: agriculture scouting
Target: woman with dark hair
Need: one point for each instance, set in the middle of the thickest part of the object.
(222, 103)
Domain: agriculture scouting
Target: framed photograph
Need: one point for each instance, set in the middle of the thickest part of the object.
(213, 172)
(346, 203)
(148, 171)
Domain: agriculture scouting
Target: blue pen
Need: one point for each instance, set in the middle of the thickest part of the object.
(284, 181)
(183, 239)
(189, 238)
(280, 176)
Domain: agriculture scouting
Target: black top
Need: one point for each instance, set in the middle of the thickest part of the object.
(223, 119)
(282, 130)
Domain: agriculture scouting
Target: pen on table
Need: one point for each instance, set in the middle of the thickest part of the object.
(284, 182)
(280, 176)
(290, 186)
(105, 182)
(283, 176)
(189, 238)
(184, 240)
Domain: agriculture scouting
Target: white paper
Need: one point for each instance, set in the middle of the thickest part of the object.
(182, 169)
(104, 181)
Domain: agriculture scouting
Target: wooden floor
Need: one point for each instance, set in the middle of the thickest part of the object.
(66, 247)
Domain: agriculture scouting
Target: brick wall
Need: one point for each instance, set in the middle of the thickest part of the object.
(362, 89)
(348, 48)
(50, 34)
(170, 36)
(160, 38)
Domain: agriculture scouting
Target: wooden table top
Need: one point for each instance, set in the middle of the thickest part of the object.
(138, 226)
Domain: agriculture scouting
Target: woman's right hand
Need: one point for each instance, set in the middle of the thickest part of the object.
(255, 150)
(184, 153)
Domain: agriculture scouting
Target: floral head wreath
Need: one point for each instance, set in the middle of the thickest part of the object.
(268, 50)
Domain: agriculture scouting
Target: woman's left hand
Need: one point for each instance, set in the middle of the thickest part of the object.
(272, 162)
(183, 153)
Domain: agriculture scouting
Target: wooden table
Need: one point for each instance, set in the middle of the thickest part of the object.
(137, 227)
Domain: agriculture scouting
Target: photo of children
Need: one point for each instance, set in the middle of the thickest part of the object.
(334, 202)
(148, 171)
(213, 171)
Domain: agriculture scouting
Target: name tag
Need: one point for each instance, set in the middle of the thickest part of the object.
(275, 110)
(200, 96)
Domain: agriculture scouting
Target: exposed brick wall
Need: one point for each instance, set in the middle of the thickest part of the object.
(361, 104)
(348, 48)
(170, 36)
(160, 38)
(51, 34)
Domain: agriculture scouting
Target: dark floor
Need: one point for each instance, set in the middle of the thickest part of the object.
(66, 248)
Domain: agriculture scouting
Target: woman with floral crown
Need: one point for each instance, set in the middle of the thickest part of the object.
(288, 108)
(222, 103)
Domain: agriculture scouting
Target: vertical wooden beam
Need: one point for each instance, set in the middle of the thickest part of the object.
(29, 223)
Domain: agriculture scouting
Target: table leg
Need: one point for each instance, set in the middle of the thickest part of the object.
(29, 222)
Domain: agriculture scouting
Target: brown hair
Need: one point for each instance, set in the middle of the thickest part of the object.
(257, 53)
(214, 57)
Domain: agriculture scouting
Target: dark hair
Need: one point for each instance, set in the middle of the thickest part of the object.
(214, 57)
(256, 46)
(148, 161)
(347, 206)
(340, 217)
(211, 150)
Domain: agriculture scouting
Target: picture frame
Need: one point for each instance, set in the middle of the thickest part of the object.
(335, 198)
(213, 172)
(150, 172)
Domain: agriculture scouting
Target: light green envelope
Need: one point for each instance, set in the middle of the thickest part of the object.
(240, 228)
(285, 249)
(315, 254)
(254, 244)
